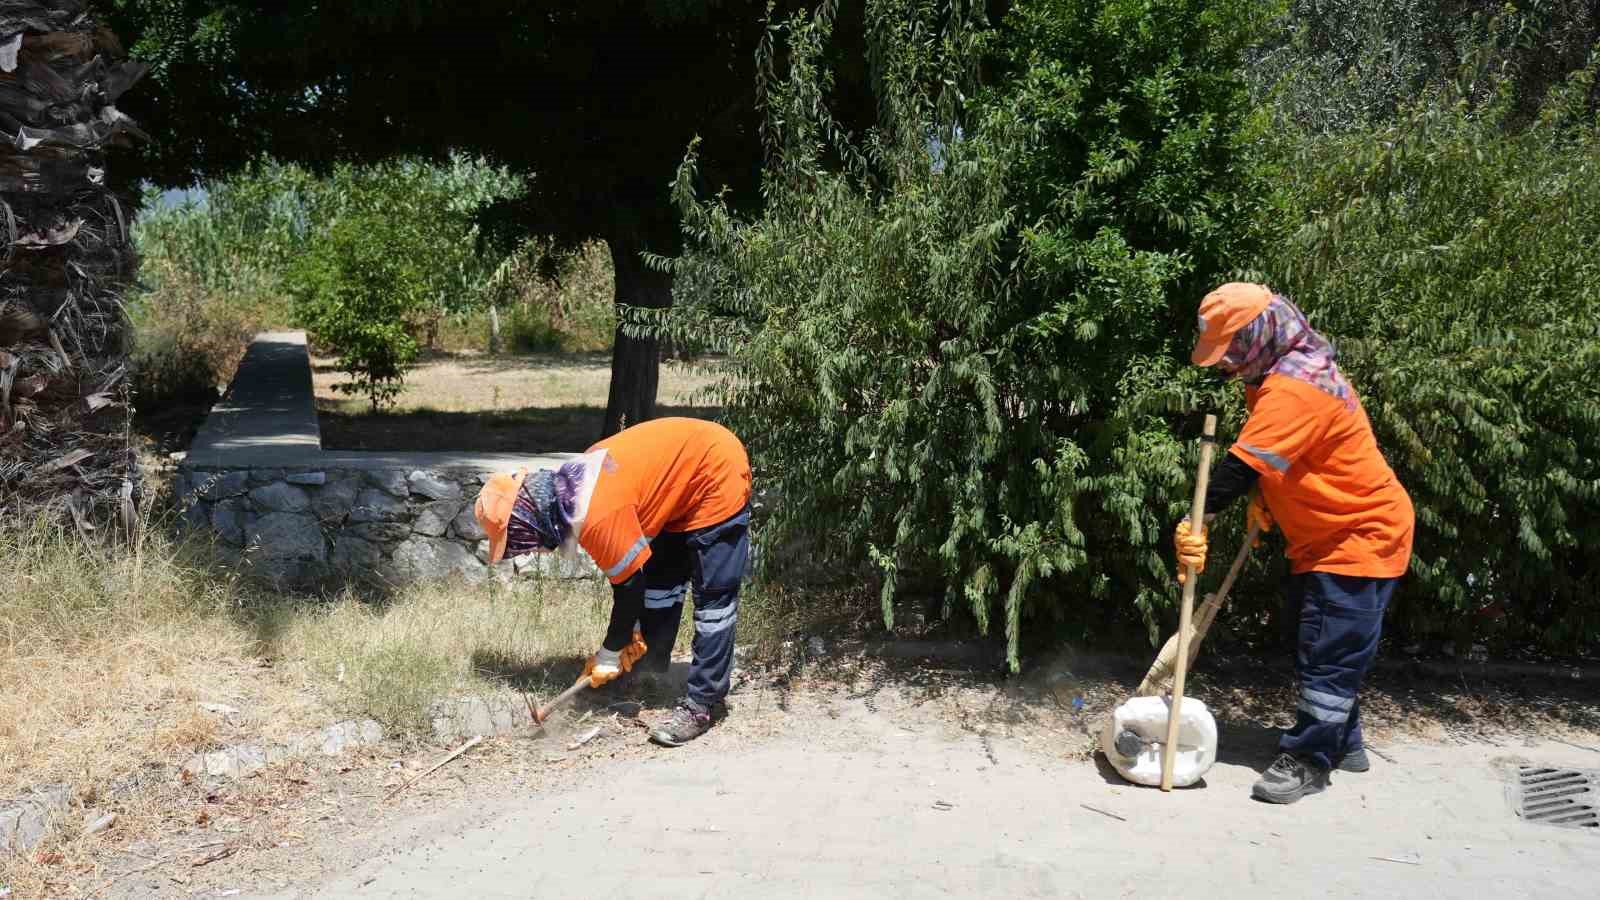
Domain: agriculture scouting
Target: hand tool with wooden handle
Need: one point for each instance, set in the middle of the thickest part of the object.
(541, 714)
(1155, 681)
(1197, 519)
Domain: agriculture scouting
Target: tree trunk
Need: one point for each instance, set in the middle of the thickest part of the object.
(63, 335)
(635, 362)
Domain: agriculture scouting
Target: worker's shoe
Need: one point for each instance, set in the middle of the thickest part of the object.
(1288, 779)
(688, 721)
(1354, 761)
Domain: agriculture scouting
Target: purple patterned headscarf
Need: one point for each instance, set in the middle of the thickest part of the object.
(541, 517)
(1281, 342)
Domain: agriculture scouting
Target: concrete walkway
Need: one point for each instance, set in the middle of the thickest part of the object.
(866, 809)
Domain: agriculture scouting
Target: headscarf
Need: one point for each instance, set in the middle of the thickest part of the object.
(541, 517)
(1281, 342)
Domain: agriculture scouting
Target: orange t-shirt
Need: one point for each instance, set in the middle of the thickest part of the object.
(1330, 490)
(661, 475)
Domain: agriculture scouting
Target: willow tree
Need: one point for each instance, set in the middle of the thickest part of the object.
(63, 333)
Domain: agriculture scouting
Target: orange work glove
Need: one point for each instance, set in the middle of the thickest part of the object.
(1259, 516)
(634, 652)
(607, 666)
(1191, 549)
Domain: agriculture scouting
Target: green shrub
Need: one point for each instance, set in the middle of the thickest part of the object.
(1453, 257)
(354, 290)
(958, 342)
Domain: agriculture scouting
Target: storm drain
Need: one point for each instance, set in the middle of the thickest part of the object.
(1566, 797)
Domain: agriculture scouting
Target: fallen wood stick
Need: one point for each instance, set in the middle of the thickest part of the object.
(224, 853)
(1403, 862)
(476, 740)
(1102, 812)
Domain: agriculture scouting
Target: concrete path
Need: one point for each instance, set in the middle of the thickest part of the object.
(860, 811)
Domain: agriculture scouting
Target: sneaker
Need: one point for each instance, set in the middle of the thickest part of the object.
(1354, 761)
(1288, 779)
(688, 721)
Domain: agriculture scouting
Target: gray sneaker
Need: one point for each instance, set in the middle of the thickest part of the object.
(1354, 761)
(688, 721)
(1288, 779)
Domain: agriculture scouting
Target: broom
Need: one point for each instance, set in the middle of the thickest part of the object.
(1158, 679)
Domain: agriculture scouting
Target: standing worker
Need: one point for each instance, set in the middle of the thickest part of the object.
(658, 505)
(1309, 460)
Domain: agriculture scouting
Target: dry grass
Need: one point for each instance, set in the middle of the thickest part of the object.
(104, 665)
(473, 402)
(391, 661)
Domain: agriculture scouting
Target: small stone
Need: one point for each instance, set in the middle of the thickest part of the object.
(95, 824)
(280, 497)
(466, 524)
(307, 478)
(228, 521)
(219, 485)
(433, 487)
(249, 759)
(196, 518)
(423, 558)
(221, 709)
(381, 532)
(378, 506)
(265, 476)
(390, 481)
(344, 735)
(26, 821)
(354, 555)
(434, 520)
(335, 499)
(287, 536)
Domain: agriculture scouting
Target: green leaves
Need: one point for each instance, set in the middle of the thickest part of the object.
(1451, 253)
(955, 340)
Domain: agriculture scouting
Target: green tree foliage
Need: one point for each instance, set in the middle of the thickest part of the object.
(1451, 251)
(372, 257)
(1329, 66)
(393, 247)
(957, 340)
(597, 98)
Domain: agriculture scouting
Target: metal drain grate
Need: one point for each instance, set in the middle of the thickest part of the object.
(1566, 797)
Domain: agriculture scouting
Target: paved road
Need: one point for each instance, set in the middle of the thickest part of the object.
(859, 811)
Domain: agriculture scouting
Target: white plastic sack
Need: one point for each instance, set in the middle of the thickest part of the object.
(1146, 717)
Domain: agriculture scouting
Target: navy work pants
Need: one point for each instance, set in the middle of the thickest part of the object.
(711, 560)
(1341, 619)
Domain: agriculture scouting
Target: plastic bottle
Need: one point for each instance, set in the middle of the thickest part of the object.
(1132, 739)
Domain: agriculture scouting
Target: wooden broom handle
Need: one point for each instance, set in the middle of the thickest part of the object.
(1197, 519)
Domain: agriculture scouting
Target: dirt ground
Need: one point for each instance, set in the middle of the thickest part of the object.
(469, 401)
(845, 775)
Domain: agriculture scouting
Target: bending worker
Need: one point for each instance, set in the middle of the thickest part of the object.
(656, 506)
(1308, 457)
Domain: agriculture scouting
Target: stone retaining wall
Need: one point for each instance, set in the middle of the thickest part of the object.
(258, 480)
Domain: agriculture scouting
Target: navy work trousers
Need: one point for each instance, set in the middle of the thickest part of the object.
(1341, 620)
(712, 560)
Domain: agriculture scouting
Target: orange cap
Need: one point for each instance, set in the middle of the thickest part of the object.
(493, 510)
(1222, 313)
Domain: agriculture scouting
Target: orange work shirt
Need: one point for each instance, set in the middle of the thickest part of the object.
(662, 475)
(1339, 504)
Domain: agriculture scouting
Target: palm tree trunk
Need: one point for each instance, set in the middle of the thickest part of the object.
(64, 410)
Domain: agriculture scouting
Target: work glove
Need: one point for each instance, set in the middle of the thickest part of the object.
(607, 666)
(1259, 516)
(1191, 549)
